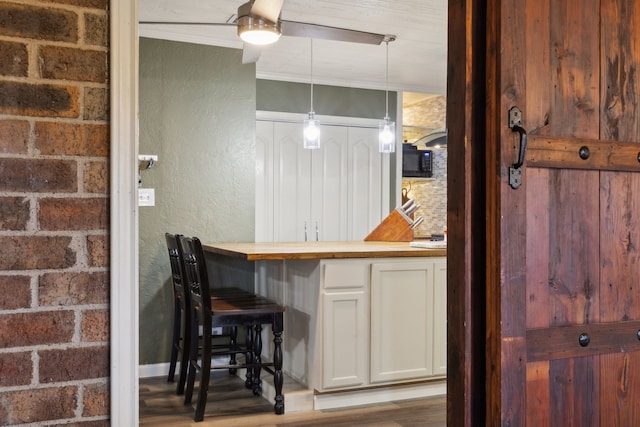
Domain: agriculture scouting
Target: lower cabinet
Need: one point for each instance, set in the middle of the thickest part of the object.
(383, 321)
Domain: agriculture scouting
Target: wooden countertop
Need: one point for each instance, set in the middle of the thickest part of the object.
(319, 250)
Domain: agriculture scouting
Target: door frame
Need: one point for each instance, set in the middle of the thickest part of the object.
(465, 193)
(124, 212)
(469, 224)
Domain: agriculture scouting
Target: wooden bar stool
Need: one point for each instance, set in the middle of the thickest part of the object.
(180, 342)
(230, 308)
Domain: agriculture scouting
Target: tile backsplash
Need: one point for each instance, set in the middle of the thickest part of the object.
(429, 193)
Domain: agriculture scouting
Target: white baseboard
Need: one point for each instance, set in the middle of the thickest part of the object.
(155, 370)
(305, 400)
(379, 395)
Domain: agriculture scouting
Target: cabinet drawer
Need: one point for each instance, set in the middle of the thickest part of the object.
(345, 274)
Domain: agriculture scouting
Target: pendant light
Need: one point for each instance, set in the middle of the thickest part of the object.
(311, 133)
(387, 128)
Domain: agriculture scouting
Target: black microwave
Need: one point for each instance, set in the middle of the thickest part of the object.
(416, 163)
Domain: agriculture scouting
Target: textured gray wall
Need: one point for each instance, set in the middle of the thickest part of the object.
(327, 100)
(197, 113)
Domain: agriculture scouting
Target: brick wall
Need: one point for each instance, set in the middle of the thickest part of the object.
(54, 212)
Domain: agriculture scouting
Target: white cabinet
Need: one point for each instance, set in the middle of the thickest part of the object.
(383, 321)
(345, 324)
(401, 321)
(440, 317)
(335, 193)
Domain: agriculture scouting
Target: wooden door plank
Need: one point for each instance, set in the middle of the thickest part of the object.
(538, 392)
(620, 115)
(564, 152)
(562, 342)
(620, 388)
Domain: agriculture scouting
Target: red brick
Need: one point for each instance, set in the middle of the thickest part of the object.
(38, 23)
(96, 29)
(54, 138)
(38, 405)
(14, 213)
(96, 400)
(74, 364)
(38, 175)
(98, 248)
(95, 326)
(96, 177)
(15, 292)
(66, 63)
(73, 288)
(39, 100)
(36, 252)
(14, 59)
(36, 328)
(14, 135)
(96, 4)
(96, 104)
(16, 368)
(74, 214)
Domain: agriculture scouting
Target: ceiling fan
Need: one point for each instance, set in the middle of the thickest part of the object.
(258, 23)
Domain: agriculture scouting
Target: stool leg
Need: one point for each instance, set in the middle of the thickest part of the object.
(248, 383)
(184, 356)
(278, 377)
(175, 341)
(257, 360)
(205, 373)
(233, 345)
(193, 360)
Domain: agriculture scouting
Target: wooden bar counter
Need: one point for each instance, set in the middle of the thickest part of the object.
(319, 250)
(365, 322)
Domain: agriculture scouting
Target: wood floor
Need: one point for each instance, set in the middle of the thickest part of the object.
(231, 405)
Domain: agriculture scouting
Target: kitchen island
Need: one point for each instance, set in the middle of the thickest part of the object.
(365, 321)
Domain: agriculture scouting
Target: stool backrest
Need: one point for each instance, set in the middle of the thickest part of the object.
(177, 269)
(197, 280)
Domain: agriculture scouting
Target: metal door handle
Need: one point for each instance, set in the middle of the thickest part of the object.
(515, 124)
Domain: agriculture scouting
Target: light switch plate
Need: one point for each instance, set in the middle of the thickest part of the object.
(146, 197)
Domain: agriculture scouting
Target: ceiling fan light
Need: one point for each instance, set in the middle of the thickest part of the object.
(259, 31)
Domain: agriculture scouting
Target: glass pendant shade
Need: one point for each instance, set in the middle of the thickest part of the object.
(387, 128)
(387, 136)
(311, 132)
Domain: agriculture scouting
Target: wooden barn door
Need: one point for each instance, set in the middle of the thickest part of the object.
(563, 237)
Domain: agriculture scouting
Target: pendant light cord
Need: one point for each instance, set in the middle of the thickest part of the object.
(311, 61)
(387, 83)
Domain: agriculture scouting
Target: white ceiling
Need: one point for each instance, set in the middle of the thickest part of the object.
(417, 59)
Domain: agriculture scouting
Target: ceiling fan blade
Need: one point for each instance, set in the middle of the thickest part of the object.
(269, 9)
(314, 31)
(251, 53)
(216, 24)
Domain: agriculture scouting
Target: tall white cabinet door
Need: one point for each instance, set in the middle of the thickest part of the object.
(292, 184)
(440, 318)
(401, 321)
(329, 181)
(264, 182)
(344, 357)
(368, 183)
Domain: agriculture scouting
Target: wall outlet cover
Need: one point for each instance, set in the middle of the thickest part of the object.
(146, 197)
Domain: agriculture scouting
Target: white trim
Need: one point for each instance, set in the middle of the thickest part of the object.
(381, 395)
(124, 212)
(156, 370)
